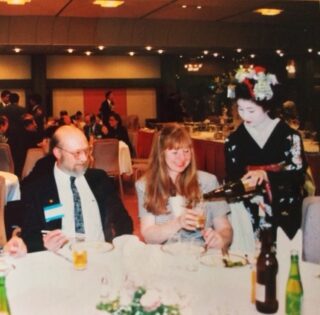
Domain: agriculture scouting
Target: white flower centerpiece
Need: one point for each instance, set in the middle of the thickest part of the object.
(139, 302)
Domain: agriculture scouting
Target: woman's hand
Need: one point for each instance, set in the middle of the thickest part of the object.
(54, 240)
(213, 239)
(254, 178)
(189, 219)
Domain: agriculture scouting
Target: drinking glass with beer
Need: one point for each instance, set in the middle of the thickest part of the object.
(79, 255)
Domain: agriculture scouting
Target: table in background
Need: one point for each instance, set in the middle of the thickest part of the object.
(125, 163)
(12, 186)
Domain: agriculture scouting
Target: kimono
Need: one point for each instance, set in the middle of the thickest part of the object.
(282, 157)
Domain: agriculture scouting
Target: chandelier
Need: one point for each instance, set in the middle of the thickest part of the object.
(16, 2)
(193, 66)
(108, 3)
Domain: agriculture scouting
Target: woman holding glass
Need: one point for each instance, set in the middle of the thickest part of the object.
(264, 150)
(172, 173)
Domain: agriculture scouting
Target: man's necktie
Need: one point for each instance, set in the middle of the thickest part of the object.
(78, 218)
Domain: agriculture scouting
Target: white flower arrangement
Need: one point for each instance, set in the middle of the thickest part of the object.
(260, 89)
(139, 302)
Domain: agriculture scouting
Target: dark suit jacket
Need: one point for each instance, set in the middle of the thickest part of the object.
(43, 192)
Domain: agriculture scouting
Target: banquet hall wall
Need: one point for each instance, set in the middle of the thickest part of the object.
(142, 84)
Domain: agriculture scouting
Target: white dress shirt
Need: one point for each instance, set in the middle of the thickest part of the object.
(90, 210)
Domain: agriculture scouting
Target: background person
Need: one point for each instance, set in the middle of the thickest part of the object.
(172, 171)
(266, 150)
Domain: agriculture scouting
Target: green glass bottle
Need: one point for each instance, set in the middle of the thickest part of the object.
(4, 304)
(294, 291)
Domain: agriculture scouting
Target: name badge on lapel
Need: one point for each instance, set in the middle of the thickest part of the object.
(53, 212)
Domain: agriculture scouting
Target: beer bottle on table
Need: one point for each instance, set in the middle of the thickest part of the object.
(266, 277)
(4, 304)
(294, 291)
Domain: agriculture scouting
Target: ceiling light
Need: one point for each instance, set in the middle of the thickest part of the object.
(193, 66)
(160, 51)
(131, 53)
(17, 50)
(148, 48)
(101, 47)
(268, 11)
(70, 50)
(184, 6)
(239, 50)
(199, 7)
(108, 3)
(215, 54)
(252, 56)
(318, 53)
(310, 50)
(205, 52)
(16, 2)
(88, 52)
(279, 51)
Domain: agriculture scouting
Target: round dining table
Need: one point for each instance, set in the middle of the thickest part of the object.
(45, 283)
(12, 186)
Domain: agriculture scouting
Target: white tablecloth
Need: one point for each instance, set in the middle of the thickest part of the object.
(12, 186)
(44, 284)
(125, 163)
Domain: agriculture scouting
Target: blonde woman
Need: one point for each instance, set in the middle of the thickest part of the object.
(172, 172)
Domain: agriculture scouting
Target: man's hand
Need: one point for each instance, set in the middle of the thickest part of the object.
(54, 240)
(15, 247)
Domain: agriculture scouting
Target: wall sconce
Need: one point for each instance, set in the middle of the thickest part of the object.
(291, 68)
(193, 66)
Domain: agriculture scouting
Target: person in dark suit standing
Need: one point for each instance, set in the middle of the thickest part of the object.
(4, 98)
(72, 199)
(106, 108)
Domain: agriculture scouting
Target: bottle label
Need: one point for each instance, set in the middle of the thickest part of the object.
(260, 292)
(293, 304)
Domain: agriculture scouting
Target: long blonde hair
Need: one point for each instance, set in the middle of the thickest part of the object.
(159, 186)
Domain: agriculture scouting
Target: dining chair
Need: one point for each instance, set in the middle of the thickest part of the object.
(105, 156)
(3, 238)
(311, 229)
(33, 155)
(144, 142)
(6, 161)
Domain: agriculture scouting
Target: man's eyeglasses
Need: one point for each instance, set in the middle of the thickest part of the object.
(77, 154)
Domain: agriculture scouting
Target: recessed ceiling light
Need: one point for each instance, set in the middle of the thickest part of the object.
(215, 54)
(278, 51)
(318, 53)
(160, 51)
(268, 11)
(70, 50)
(239, 50)
(108, 3)
(88, 53)
(17, 50)
(131, 53)
(16, 2)
(205, 52)
(199, 7)
(101, 47)
(184, 6)
(252, 56)
(148, 48)
(310, 50)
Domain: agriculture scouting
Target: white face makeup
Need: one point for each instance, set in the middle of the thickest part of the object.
(252, 114)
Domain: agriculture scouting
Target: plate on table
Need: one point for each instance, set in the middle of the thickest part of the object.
(217, 259)
(97, 246)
